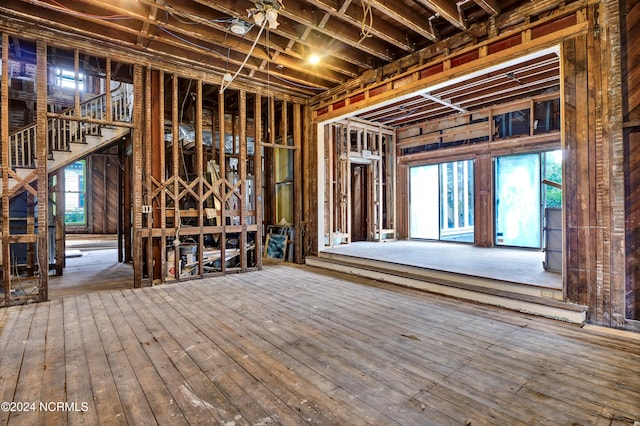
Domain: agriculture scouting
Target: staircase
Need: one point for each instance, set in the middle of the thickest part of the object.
(69, 140)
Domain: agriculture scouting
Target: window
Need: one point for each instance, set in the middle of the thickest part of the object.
(67, 79)
(75, 211)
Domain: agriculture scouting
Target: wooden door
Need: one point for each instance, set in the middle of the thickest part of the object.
(104, 194)
(359, 202)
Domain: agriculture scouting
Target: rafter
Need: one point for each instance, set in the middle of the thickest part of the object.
(489, 6)
(399, 12)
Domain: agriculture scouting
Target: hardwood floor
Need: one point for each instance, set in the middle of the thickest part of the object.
(295, 345)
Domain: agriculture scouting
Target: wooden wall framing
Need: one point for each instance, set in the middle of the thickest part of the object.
(153, 188)
(350, 142)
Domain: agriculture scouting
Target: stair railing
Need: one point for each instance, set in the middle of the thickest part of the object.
(62, 133)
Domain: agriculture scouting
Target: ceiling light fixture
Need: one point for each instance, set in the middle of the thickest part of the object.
(239, 27)
(265, 12)
(314, 59)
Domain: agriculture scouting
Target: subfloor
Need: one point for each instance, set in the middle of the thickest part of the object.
(296, 345)
(501, 263)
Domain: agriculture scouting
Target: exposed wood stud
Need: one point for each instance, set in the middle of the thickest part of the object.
(43, 176)
(297, 182)
(59, 221)
(199, 174)
(137, 170)
(76, 92)
(242, 171)
(107, 89)
(257, 176)
(223, 179)
(4, 135)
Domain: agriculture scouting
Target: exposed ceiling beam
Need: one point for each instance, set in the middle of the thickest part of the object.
(381, 29)
(153, 12)
(489, 6)
(406, 16)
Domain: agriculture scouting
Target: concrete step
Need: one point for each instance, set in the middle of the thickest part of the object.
(458, 286)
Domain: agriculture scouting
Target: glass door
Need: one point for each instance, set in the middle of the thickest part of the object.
(441, 202)
(423, 201)
(517, 201)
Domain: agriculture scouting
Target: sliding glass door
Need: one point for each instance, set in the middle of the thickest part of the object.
(424, 201)
(441, 201)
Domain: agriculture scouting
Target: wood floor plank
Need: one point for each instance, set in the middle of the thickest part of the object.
(347, 357)
(11, 363)
(30, 379)
(372, 309)
(279, 378)
(106, 399)
(53, 377)
(76, 367)
(354, 366)
(367, 328)
(133, 401)
(417, 370)
(195, 363)
(148, 333)
(153, 388)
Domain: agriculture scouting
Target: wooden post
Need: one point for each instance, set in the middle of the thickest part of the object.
(175, 159)
(127, 202)
(159, 172)
(242, 171)
(42, 150)
(108, 89)
(76, 91)
(223, 182)
(311, 162)
(297, 182)
(199, 171)
(31, 248)
(138, 97)
(257, 177)
(60, 226)
(121, 208)
(154, 159)
(4, 136)
(483, 190)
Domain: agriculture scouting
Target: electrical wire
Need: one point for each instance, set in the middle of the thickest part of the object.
(65, 9)
(221, 55)
(365, 27)
(255, 42)
(299, 85)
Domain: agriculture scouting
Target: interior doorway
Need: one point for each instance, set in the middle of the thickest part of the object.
(359, 201)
